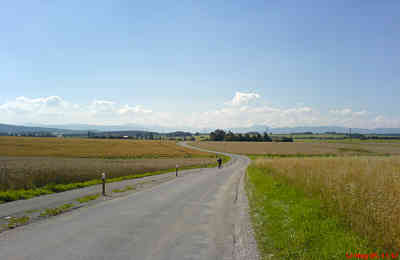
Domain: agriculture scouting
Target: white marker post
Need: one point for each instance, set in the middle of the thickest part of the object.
(103, 178)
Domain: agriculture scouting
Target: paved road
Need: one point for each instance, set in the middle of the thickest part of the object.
(19, 207)
(191, 217)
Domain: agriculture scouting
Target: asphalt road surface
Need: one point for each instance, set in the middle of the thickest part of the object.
(189, 217)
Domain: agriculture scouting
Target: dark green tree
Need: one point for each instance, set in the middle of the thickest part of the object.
(217, 135)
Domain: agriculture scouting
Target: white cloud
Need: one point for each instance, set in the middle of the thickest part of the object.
(31, 109)
(236, 113)
(343, 112)
(381, 121)
(348, 112)
(133, 110)
(54, 109)
(246, 116)
(360, 113)
(27, 105)
(243, 98)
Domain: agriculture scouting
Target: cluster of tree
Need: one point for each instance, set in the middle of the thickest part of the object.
(321, 137)
(302, 133)
(31, 134)
(375, 137)
(179, 134)
(221, 135)
(141, 135)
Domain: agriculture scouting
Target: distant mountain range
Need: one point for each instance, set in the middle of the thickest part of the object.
(17, 129)
(315, 130)
(337, 129)
(107, 128)
(81, 128)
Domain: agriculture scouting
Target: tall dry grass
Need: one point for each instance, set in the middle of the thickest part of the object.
(35, 172)
(364, 190)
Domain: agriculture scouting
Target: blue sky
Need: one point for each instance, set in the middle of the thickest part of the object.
(183, 63)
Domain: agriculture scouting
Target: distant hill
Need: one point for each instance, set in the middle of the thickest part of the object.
(314, 129)
(24, 129)
(134, 129)
(337, 129)
(85, 130)
(109, 128)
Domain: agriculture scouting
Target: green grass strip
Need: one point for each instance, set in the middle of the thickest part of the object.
(56, 211)
(290, 225)
(87, 198)
(15, 222)
(127, 188)
(13, 195)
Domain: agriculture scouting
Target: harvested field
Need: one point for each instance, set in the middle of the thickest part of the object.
(93, 148)
(31, 172)
(362, 190)
(274, 148)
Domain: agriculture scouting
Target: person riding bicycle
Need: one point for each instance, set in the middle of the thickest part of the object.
(219, 162)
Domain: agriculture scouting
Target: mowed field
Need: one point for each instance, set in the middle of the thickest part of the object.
(301, 148)
(28, 163)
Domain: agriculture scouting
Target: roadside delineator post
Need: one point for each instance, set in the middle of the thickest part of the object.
(103, 178)
(176, 170)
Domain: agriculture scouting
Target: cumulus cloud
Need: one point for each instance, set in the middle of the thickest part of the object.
(242, 98)
(348, 112)
(360, 113)
(54, 109)
(247, 116)
(344, 111)
(384, 121)
(239, 112)
(27, 105)
(133, 110)
(102, 107)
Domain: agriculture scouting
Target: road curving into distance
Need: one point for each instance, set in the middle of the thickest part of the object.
(196, 216)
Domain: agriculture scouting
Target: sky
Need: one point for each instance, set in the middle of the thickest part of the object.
(201, 64)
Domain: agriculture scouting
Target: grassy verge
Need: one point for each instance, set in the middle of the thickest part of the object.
(290, 225)
(56, 211)
(128, 187)
(15, 222)
(12, 195)
(88, 198)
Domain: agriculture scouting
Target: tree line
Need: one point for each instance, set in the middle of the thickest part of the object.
(221, 135)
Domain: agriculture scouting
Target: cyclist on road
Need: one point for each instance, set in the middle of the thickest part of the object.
(219, 162)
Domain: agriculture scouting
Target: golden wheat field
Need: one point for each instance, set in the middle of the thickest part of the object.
(364, 190)
(281, 148)
(29, 172)
(93, 148)
(34, 162)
